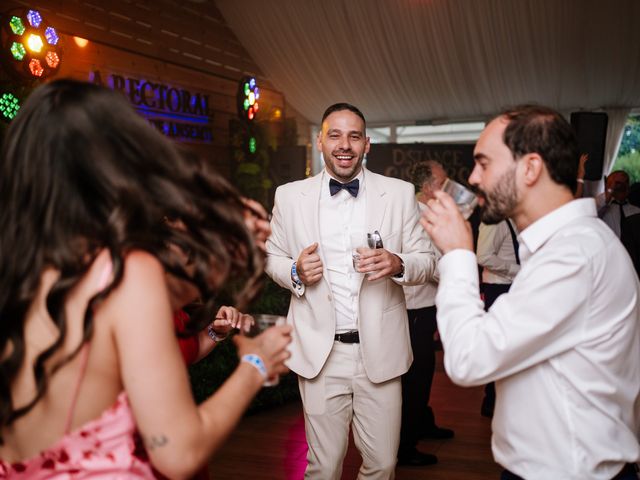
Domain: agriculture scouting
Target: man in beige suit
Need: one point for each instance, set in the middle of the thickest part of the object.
(350, 339)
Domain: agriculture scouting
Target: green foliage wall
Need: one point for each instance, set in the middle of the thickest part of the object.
(629, 153)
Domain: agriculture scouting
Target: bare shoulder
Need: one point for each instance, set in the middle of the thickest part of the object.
(139, 264)
(143, 283)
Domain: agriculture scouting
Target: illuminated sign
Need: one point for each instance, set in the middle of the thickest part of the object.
(176, 112)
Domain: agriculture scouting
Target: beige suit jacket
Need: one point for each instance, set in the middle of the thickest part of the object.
(391, 208)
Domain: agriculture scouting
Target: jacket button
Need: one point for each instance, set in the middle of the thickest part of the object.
(329, 297)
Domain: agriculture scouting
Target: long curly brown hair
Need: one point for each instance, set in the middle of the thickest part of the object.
(81, 172)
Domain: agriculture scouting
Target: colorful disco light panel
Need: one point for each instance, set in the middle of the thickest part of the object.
(30, 45)
(248, 95)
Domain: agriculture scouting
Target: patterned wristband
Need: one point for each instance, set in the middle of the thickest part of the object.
(255, 361)
(213, 335)
(294, 275)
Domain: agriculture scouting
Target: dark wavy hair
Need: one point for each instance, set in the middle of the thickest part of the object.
(339, 107)
(542, 130)
(81, 172)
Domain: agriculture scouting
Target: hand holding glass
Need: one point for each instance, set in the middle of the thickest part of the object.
(465, 199)
(363, 240)
(357, 241)
(261, 322)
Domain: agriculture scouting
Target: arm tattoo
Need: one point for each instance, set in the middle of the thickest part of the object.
(154, 441)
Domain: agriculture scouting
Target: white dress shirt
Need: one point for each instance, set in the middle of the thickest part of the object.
(340, 216)
(496, 253)
(610, 214)
(420, 296)
(563, 347)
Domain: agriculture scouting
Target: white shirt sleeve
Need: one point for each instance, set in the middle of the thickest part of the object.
(535, 321)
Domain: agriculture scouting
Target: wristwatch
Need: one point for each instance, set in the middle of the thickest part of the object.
(401, 274)
(214, 336)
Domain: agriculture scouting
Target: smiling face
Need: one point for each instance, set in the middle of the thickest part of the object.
(343, 144)
(494, 174)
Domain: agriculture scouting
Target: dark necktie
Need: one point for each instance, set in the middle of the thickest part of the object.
(622, 219)
(514, 240)
(352, 187)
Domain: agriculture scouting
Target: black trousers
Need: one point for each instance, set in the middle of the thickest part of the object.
(417, 416)
(491, 292)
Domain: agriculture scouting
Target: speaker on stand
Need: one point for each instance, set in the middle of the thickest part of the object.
(591, 132)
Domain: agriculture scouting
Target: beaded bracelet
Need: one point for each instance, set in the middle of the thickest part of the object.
(255, 361)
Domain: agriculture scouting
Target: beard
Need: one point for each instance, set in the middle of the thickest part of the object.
(500, 203)
(343, 174)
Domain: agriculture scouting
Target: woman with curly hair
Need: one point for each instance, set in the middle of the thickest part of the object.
(92, 382)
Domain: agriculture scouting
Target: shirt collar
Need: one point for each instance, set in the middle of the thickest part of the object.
(536, 234)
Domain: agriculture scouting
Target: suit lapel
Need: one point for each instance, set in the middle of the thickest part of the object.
(376, 206)
(309, 207)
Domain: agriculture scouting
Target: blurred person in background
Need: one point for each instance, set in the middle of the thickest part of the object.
(418, 419)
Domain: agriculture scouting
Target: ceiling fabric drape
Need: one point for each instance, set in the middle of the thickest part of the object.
(615, 129)
(407, 61)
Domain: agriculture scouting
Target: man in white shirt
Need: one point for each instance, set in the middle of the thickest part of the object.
(621, 216)
(418, 419)
(350, 338)
(497, 253)
(563, 345)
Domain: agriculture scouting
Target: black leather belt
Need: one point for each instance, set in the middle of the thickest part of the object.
(348, 337)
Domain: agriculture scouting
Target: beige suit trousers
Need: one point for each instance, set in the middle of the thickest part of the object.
(341, 396)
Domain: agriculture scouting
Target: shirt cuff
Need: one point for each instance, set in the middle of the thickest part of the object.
(299, 289)
(459, 264)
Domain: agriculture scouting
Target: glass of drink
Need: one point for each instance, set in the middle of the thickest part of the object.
(260, 323)
(465, 199)
(357, 241)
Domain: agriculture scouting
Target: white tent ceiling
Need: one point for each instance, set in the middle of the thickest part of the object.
(413, 61)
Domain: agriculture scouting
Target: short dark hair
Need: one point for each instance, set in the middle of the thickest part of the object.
(338, 107)
(619, 172)
(420, 174)
(542, 130)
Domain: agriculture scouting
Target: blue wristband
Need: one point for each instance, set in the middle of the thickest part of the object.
(294, 276)
(255, 361)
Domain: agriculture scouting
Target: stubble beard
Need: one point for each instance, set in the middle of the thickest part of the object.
(501, 202)
(345, 174)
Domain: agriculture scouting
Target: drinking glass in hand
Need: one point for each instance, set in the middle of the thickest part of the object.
(465, 199)
(357, 241)
(260, 323)
(363, 240)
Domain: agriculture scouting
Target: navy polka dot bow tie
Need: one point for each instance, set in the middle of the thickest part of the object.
(352, 187)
